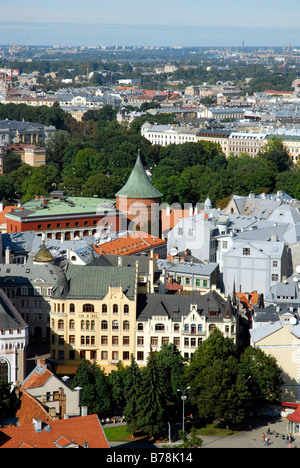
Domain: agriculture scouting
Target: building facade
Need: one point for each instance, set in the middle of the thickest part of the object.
(13, 342)
(184, 320)
(93, 314)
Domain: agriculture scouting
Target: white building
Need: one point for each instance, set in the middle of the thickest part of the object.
(14, 338)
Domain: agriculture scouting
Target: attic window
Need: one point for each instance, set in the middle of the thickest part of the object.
(213, 313)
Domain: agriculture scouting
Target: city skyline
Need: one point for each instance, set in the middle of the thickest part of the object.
(194, 23)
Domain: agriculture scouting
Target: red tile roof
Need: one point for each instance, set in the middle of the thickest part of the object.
(37, 379)
(79, 430)
(30, 408)
(129, 245)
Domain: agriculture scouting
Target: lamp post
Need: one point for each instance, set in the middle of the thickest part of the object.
(183, 397)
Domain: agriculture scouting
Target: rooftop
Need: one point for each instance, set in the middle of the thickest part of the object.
(138, 185)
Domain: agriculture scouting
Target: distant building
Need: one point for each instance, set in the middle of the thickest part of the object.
(14, 132)
(63, 217)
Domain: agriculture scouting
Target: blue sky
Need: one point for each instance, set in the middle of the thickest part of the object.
(155, 22)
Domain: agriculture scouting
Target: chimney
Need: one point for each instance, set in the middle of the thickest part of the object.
(37, 423)
(62, 402)
(7, 255)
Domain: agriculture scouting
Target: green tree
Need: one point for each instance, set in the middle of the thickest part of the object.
(152, 403)
(212, 375)
(95, 393)
(132, 391)
(8, 401)
(275, 152)
(262, 375)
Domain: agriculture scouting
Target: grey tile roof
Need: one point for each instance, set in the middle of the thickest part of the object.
(9, 316)
(92, 282)
(177, 305)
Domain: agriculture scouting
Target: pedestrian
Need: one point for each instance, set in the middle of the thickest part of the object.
(290, 445)
(267, 441)
(264, 437)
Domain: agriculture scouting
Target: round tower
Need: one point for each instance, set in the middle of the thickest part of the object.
(139, 201)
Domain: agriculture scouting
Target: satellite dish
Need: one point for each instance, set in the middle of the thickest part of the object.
(293, 320)
(298, 268)
(173, 251)
(295, 279)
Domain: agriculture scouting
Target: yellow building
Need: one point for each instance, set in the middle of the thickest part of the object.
(281, 339)
(93, 316)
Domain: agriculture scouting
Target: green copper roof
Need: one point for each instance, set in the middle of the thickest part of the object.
(138, 185)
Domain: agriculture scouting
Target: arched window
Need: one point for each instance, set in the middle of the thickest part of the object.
(88, 308)
(115, 309)
(193, 328)
(159, 327)
(126, 309)
(4, 370)
(126, 325)
(115, 325)
(104, 309)
(93, 325)
(61, 325)
(211, 327)
(140, 327)
(104, 325)
(176, 327)
(72, 325)
(72, 308)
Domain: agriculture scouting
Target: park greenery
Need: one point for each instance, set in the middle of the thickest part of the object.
(226, 384)
(95, 157)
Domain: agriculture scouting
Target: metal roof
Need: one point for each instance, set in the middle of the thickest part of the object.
(138, 185)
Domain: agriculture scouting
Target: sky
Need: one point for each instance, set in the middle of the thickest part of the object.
(150, 23)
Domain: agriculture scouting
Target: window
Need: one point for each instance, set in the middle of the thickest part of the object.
(140, 355)
(275, 264)
(115, 355)
(72, 308)
(60, 325)
(246, 251)
(104, 309)
(72, 339)
(197, 282)
(72, 325)
(115, 309)
(176, 327)
(126, 340)
(140, 327)
(126, 309)
(104, 325)
(154, 341)
(177, 341)
(159, 327)
(274, 277)
(88, 308)
(104, 340)
(140, 340)
(126, 325)
(104, 355)
(115, 340)
(115, 325)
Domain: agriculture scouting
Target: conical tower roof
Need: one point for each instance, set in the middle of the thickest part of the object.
(138, 185)
(43, 255)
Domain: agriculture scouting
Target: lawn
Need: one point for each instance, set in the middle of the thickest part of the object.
(118, 434)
